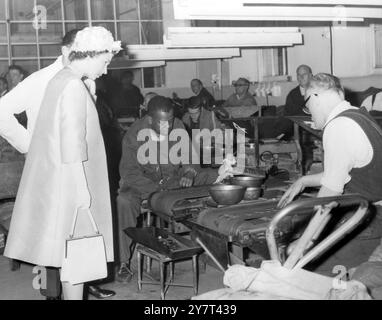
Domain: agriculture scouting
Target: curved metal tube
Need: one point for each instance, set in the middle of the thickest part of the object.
(344, 200)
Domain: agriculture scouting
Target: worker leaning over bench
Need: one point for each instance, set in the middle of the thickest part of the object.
(352, 143)
(139, 180)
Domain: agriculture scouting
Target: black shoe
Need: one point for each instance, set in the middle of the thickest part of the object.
(100, 293)
(124, 274)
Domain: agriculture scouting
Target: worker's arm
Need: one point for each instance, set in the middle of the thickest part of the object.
(15, 102)
(296, 188)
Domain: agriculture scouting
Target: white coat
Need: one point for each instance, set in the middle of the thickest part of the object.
(66, 137)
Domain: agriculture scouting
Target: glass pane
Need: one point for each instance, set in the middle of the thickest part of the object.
(3, 52)
(102, 10)
(150, 9)
(76, 10)
(21, 10)
(46, 62)
(22, 32)
(378, 46)
(78, 25)
(126, 9)
(3, 68)
(128, 32)
(53, 33)
(3, 33)
(24, 51)
(154, 77)
(152, 33)
(50, 50)
(53, 9)
(29, 66)
(108, 25)
(2, 9)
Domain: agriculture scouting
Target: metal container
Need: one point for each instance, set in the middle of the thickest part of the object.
(227, 194)
(252, 193)
(255, 180)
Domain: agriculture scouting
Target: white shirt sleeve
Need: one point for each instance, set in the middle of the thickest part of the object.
(26, 96)
(346, 146)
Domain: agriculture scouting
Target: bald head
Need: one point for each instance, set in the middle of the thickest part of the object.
(304, 74)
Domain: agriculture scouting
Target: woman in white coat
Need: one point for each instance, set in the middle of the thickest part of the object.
(65, 168)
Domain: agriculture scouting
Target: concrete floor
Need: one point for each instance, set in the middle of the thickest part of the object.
(18, 285)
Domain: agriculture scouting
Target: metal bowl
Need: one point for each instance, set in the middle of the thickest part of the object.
(227, 194)
(248, 181)
(252, 193)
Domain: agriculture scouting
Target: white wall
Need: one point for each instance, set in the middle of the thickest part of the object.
(315, 51)
(352, 51)
(351, 56)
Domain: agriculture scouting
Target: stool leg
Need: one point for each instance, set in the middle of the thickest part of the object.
(162, 280)
(195, 270)
(171, 271)
(148, 261)
(148, 264)
(148, 218)
(139, 258)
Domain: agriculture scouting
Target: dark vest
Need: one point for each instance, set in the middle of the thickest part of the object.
(367, 180)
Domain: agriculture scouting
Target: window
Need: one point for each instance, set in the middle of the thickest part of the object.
(274, 62)
(378, 45)
(131, 21)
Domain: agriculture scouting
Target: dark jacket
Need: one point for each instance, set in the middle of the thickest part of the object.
(294, 103)
(129, 102)
(146, 178)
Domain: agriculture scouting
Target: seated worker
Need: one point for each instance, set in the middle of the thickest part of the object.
(198, 117)
(295, 100)
(139, 180)
(241, 97)
(199, 91)
(352, 143)
(294, 107)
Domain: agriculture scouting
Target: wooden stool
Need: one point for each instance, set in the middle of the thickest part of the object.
(163, 261)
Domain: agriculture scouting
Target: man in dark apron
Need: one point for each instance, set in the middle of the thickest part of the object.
(352, 143)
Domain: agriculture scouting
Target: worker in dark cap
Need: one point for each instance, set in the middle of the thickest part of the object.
(140, 179)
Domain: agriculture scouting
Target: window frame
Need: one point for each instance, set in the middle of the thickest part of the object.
(38, 58)
(373, 63)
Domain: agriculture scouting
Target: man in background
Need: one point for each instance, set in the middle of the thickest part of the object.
(294, 107)
(295, 100)
(16, 74)
(242, 97)
(130, 97)
(200, 92)
(3, 86)
(198, 117)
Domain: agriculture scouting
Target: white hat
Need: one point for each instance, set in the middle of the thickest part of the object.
(96, 39)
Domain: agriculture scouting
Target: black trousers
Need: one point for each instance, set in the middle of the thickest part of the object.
(53, 283)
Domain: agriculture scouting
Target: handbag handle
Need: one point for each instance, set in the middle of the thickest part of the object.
(71, 235)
